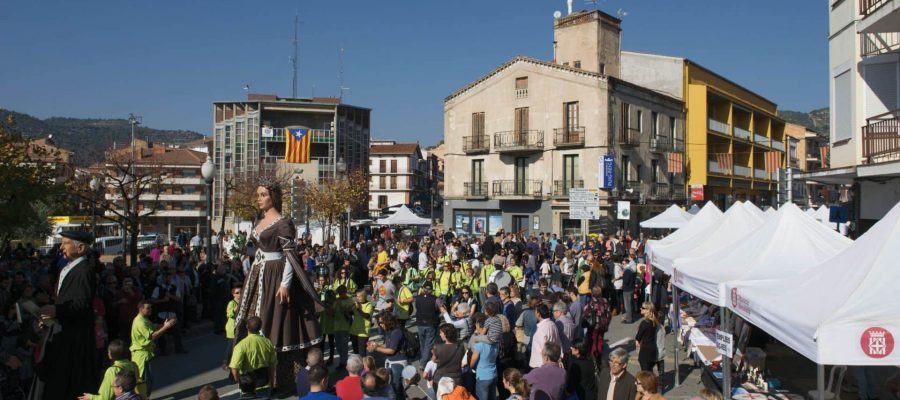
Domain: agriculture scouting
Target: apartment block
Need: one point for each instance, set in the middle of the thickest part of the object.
(398, 175)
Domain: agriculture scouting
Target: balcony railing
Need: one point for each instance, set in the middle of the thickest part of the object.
(521, 93)
(741, 133)
(760, 139)
(881, 137)
(519, 141)
(867, 7)
(475, 189)
(659, 144)
(630, 189)
(778, 145)
(718, 126)
(678, 192)
(568, 137)
(740, 170)
(630, 137)
(476, 144)
(678, 147)
(714, 168)
(873, 44)
(561, 188)
(661, 190)
(524, 188)
(760, 174)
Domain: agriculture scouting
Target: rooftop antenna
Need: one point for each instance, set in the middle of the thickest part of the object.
(569, 7)
(621, 13)
(341, 75)
(247, 88)
(594, 3)
(294, 58)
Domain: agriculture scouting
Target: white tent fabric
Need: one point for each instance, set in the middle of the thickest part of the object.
(843, 314)
(672, 218)
(754, 209)
(403, 216)
(823, 214)
(693, 210)
(786, 243)
(770, 211)
(661, 251)
(811, 212)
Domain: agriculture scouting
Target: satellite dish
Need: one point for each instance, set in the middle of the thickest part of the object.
(557, 14)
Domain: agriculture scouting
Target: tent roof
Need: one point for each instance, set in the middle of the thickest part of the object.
(736, 223)
(770, 211)
(823, 214)
(787, 241)
(694, 209)
(673, 217)
(706, 217)
(403, 216)
(754, 209)
(844, 313)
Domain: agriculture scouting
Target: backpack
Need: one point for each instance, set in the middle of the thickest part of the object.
(410, 346)
(597, 314)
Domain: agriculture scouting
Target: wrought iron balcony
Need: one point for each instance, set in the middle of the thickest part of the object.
(561, 188)
(519, 141)
(877, 43)
(867, 7)
(630, 137)
(568, 137)
(659, 144)
(476, 144)
(678, 146)
(475, 190)
(661, 190)
(881, 137)
(630, 190)
(678, 192)
(518, 189)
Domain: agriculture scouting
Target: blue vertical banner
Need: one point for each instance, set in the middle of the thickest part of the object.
(608, 177)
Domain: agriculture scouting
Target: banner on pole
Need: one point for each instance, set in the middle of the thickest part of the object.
(608, 177)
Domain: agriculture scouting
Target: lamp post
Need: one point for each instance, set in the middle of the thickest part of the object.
(95, 187)
(208, 171)
(341, 167)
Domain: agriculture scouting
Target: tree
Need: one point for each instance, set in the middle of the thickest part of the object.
(240, 192)
(330, 199)
(29, 179)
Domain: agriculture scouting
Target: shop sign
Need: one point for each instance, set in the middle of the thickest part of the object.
(696, 192)
(608, 166)
(724, 343)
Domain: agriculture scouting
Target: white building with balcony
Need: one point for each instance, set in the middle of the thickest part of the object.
(864, 87)
(398, 174)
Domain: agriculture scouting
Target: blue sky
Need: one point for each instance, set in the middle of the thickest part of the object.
(168, 61)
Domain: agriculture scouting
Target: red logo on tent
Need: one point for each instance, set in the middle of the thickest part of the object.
(877, 342)
(734, 297)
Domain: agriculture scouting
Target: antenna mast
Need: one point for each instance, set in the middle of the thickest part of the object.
(294, 59)
(341, 74)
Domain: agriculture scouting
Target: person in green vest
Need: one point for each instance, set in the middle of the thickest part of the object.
(515, 271)
(254, 360)
(444, 288)
(410, 276)
(119, 357)
(343, 279)
(487, 268)
(343, 314)
(143, 333)
(362, 322)
(230, 311)
(403, 303)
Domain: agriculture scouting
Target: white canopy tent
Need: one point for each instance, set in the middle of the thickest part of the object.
(843, 314)
(737, 222)
(756, 210)
(403, 216)
(811, 212)
(770, 211)
(786, 243)
(672, 218)
(707, 217)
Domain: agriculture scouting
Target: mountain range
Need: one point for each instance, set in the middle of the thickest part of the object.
(817, 120)
(89, 138)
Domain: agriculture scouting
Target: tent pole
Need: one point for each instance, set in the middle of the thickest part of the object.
(726, 359)
(820, 380)
(676, 330)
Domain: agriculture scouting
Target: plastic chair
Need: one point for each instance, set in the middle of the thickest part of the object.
(833, 388)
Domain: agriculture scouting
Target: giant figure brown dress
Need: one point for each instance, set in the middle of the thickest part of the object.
(292, 327)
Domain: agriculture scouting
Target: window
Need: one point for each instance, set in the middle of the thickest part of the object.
(626, 116)
(654, 124)
(571, 174)
(393, 182)
(521, 119)
(654, 171)
(521, 87)
(626, 169)
(571, 116)
(393, 166)
(382, 165)
(477, 171)
(640, 121)
(672, 129)
(189, 173)
(382, 201)
(382, 182)
(603, 69)
(477, 125)
(576, 64)
(842, 127)
(521, 174)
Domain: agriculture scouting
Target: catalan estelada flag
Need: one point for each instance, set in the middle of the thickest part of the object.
(297, 142)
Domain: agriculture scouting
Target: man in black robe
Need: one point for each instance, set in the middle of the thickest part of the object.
(69, 365)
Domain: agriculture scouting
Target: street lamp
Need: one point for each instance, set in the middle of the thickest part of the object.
(341, 167)
(208, 171)
(94, 185)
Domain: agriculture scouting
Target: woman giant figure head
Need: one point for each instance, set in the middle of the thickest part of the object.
(268, 195)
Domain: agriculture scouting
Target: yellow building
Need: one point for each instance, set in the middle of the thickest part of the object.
(729, 129)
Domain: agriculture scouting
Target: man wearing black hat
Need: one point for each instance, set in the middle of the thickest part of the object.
(69, 363)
